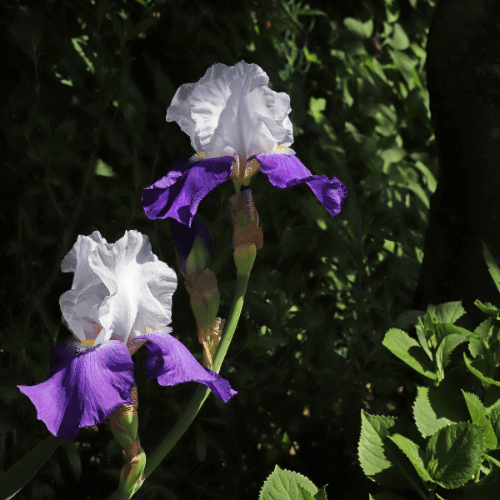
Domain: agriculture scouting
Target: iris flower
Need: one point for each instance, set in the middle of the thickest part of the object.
(238, 126)
(121, 298)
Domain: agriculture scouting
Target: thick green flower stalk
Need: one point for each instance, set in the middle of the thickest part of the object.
(124, 425)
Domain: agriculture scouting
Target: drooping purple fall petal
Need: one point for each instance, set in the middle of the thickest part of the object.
(169, 361)
(85, 386)
(178, 193)
(285, 171)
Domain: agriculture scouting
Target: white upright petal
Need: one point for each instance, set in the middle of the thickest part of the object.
(140, 287)
(232, 111)
(79, 306)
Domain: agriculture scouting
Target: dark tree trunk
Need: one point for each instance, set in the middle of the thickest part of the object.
(463, 74)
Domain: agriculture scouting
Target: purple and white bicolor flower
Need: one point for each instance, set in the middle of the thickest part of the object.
(121, 298)
(232, 118)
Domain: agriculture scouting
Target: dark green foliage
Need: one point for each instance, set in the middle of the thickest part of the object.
(85, 88)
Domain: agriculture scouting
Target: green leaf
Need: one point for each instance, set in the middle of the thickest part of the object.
(73, 458)
(363, 30)
(304, 494)
(446, 347)
(23, 470)
(381, 460)
(321, 495)
(283, 484)
(429, 416)
(486, 381)
(414, 454)
(478, 416)
(400, 40)
(493, 415)
(492, 266)
(487, 308)
(408, 350)
(449, 312)
(483, 331)
(454, 454)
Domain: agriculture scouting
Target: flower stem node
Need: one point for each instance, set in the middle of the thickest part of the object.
(211, 340)
(205, 298)
(247, 231)
(244, 258)
(124, 424)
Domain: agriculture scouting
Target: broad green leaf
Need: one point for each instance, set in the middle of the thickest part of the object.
(449, 312)
(454, 453)
(429, 417)
(483, 331)
(363, 30)
(488, 309)
(73, 458)
(381, 460)
(423, 342)
(478, 416)
(492, 266)
(304, 494)
(399, 39)
(414, 454)
(409, 351)
(283, 484)
(23, 470)
(446, 347)
(493, 415)
(486, 381)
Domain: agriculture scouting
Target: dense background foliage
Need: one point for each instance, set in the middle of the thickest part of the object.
(85, 90)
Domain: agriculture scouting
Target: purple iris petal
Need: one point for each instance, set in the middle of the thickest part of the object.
(184, 236)
(85, 386)
(171, 363)
(180, 191)
(285, 171)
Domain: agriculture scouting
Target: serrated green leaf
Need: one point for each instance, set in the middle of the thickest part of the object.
(486, 381)
(446, 347)
(283, 484)
(492, 266)
(380, 459)
(449, 312)
(409, 351)
(478, 416)
(414, 454)
(321, 495)
(454, 454)
(489, 310)
(429, 418)
(484, 329)
(493, 415)
(304, 494)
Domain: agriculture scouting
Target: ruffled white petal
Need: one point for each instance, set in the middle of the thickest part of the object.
(232, 111)
(80, 305)
(140, 287)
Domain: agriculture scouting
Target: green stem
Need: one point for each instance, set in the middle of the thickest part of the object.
(202, 392)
